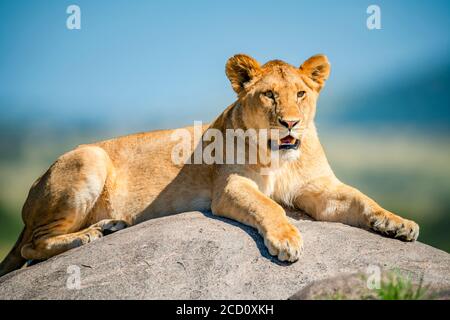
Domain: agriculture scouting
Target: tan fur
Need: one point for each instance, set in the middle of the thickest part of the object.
(123, 181)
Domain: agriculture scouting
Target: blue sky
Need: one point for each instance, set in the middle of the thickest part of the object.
(162, 62)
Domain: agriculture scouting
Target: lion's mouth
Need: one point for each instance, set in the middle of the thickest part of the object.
(286, 143)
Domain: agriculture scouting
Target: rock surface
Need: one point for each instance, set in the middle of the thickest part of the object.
(354, 287)
(198, 256)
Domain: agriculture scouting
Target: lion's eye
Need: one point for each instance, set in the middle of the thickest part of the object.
(301, 94)
(269, 94)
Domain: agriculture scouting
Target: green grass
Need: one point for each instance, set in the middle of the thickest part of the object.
(401, 288)
(10, 228)
(394, 286)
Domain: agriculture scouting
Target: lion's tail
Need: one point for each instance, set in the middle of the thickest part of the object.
(14, 259)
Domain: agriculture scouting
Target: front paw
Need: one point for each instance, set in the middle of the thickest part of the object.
(395, 227)
(285, 242)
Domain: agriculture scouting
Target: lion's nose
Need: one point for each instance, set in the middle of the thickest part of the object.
(288, 123)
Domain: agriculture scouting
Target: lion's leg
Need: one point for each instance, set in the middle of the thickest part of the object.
(49, 246)
(327, 199)
(58, 208)
(44, 248)
(239, 198)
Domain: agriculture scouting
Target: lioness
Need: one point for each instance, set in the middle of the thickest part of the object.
(103, 187)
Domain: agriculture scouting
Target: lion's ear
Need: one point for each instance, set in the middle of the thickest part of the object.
(240, 69)
(317, 68)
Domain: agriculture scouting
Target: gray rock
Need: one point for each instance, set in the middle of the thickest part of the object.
(199, 256)
(354, 287)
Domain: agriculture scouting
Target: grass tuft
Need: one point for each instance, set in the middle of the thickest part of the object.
(400, 288)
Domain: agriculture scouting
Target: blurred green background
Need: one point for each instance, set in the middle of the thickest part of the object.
(383, 116)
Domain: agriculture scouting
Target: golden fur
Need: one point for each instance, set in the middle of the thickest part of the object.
(105, 186)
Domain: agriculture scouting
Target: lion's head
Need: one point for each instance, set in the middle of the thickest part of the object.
(278, 96)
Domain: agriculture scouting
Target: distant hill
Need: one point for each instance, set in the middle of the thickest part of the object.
(422, 102)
